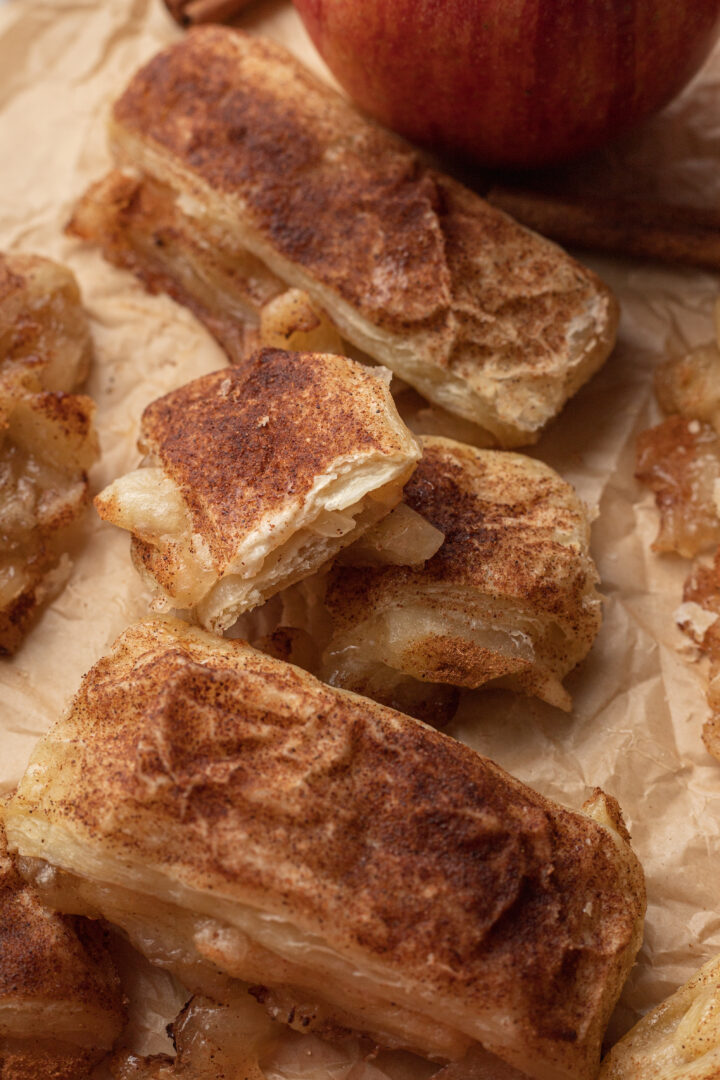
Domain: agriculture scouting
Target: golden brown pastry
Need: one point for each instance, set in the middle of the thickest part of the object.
(255, 477)
(236, 148)
(241, 820)
(47, 440)
(508, 599)
(678, 1040)
(61, 1004)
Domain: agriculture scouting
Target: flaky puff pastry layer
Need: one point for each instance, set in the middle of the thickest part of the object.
(47, 437)
(256, 477)
(678, 1040)
(61, 1004)
(239, 818)
(509, 598)
(483, 317)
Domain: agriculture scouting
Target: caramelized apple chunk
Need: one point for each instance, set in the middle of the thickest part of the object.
(679, 460)
(698, 617)
(690, 385)
(47, 439)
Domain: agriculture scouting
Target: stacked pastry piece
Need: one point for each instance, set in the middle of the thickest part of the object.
(256, 477)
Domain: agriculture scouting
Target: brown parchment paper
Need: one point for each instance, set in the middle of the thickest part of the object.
(638, 700)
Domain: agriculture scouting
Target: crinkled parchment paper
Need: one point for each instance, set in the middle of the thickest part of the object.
(639, 702)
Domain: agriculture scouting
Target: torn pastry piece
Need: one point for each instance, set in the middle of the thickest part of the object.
(679, 460)
(47, 439)
(255, 477)
(678, 1040)
(250, 153)
(509, 598)
(61, 1003)
(241, 820)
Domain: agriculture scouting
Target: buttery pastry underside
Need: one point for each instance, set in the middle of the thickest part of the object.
(241, 818)
(251, 159)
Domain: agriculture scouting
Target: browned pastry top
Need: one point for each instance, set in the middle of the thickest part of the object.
(513, 529)
(242, 443)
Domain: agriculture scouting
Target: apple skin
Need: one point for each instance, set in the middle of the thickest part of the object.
(512, 82)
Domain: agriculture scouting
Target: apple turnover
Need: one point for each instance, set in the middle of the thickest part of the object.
(240, 820)
(61, 1004)
(47, 439)
(255, 477)
(241, 159)
(508, 599)
(678, 1040)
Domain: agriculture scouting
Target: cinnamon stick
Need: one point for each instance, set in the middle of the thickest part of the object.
(192, 12)
(641, 228)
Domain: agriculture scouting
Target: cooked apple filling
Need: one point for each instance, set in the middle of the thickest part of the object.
(47, 441)
(236, 1038)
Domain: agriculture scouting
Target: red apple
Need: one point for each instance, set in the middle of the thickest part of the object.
(512, 82)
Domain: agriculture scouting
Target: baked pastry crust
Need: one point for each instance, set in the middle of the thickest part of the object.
(240, 817)
(257, 476)
(677, 1040)
(480, 315)
(47, 439)
(508, 599)
(61, 1004)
